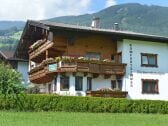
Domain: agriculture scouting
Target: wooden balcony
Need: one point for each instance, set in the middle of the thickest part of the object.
(114, 94)
(40, 49)
(46, 71)
(43, 49)
(93, 67)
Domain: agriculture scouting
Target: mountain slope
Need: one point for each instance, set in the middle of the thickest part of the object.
(9, 24)
(131, 17)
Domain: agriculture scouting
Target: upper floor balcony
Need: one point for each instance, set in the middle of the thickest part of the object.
(46, 70)
(43, 49)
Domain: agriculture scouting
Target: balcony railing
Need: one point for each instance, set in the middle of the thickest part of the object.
(39, 48)
(50, 67)
(92, 67)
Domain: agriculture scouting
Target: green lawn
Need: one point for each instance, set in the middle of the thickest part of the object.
(80, 119)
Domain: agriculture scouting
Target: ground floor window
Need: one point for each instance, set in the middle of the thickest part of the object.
(49, 88)
(55, 84)
(113, 84)
(89, 83)
(64, 83)
(78, 83)
(149, 86)
(119, 82)
(116, 84)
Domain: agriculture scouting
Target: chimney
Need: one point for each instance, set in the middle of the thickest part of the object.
(116, 26)
(95, 22)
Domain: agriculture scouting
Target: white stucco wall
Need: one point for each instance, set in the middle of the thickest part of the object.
(23, 69)
(97, 83)
(139, 72)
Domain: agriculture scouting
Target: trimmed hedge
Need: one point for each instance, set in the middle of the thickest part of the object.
(83, 104)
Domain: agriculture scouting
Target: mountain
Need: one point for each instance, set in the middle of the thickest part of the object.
(9, 24)
(130, 17)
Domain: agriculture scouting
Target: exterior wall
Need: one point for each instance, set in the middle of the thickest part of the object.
(97, 83)
(133, 49)
(90, 43)
(100, 82)
(23, 69)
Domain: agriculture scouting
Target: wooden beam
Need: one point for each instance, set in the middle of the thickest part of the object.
(46, 54)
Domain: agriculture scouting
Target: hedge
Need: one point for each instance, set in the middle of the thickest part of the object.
(82, 104)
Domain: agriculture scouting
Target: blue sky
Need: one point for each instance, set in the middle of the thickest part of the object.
(44, 9)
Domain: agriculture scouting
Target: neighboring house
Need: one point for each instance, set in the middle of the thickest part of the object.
(76, 60)
(18, 64)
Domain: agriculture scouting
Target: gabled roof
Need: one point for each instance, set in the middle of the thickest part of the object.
(28, 37)
(54, 25)
(7, 54)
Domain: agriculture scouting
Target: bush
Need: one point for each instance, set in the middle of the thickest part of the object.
(33, 90)
(43, 102)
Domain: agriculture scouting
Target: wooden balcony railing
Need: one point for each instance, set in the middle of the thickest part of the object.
(39, 49)
(90, 67)
(48, 68)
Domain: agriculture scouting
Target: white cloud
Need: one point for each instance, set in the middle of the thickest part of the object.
(110, 3)
(41, 9)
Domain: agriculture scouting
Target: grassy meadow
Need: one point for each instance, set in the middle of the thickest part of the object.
(80, 119)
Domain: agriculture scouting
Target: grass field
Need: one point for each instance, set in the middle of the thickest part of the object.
(80, 119)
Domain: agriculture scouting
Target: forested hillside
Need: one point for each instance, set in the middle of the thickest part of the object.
(130, 17)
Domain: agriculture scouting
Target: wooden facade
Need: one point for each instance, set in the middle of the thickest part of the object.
(75, 46)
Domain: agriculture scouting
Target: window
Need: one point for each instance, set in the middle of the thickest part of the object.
(149, 86)
(49, 88)
(89, 83)
(119, 57)
(119, 84)
(92, 55)
(113, 58)
(55, 84)
(78, 83)
(116, 58)
(113, 84)
(64, 86)
(148, 60)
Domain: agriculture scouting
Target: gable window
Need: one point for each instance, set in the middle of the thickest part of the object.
(148, 60)
(149, 86)
(78, 83)
(64, 83)
(92, 55)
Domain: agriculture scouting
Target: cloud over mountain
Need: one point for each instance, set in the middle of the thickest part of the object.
(41, 9)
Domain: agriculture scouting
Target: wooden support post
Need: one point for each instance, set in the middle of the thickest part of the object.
(46, 54)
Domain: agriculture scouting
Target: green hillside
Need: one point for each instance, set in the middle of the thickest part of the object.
(9, 24)
(131, 17)
(9, 38)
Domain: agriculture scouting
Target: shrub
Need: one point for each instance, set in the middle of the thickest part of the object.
(43, 102)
